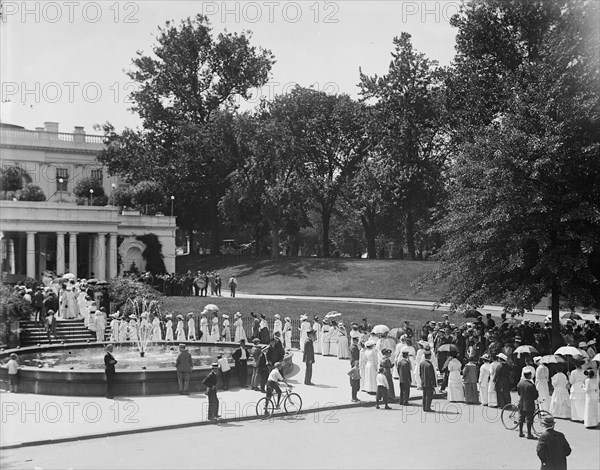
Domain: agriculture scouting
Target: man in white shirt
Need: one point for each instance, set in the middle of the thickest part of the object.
(225, 371)
(273, 382)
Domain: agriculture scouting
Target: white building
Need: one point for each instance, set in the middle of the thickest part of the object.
(58, 234)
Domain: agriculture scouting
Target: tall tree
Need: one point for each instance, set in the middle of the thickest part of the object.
(523, 219)
(407, 104)
(184, 88)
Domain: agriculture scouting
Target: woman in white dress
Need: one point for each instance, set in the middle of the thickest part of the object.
(342, 344)
(191, 325)
(455, 384)
(100, 324)
(560, 404)
(325, 339)
(371, 361)
(484, 379)
(63, 302)
(72, 307)
(204, 328)
(85, 310)
(133, 329)
(304, 327)
(542, 378)
(590, 387)
(169, 328)
(362, 363)
(287, 333)
(492, 396)
(215, 333)
(82, 304)
(123, 330)
(277, 325)
(577, 395)
(226, 333)
(179, 330)
(238, 324)
(114, 328)
(156, 333)
(317, 340)
(334, 337)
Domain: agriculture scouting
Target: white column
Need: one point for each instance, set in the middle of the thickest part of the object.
(43, 244)
(91, 256)
(31, 254)
(73, 252)
(101, 257)
(112, 255)
(60, 252)
(12, 266)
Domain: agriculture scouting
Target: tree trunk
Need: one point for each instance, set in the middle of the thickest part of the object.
(326, 219)
(193, 245)
(368, 223)
(555, 301)
(257, 240)
(274, 242)
(215, 235)
(410, 235)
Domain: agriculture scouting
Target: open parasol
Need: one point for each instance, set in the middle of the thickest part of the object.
(333, 314)
(551, 359)
(568, 351)
(211, 308)
(380, 329)
(449, 347)
(396, 333)
(596, 357)
(525, 349)
(69, 276)
(571, 316)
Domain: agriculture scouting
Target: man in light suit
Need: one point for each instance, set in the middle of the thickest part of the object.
(309, 356)
(528, 394)
(405, 374)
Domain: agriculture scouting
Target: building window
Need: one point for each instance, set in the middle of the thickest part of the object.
(97, 175)
(62, 178)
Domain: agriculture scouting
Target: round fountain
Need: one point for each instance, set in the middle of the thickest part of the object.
(78, 369)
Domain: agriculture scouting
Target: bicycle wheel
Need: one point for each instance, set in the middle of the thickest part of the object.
(536, 428)
(510, 416)
(265, 408)
(292, 403)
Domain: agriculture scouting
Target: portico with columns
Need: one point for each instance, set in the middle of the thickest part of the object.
(82, 240)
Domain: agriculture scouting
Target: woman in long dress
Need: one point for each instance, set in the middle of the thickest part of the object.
(277, 325)
(123, 330)
(72, 307)
(114, 328)
(133, 329)
(169, 328)
(492, 395)
(304, 327)
(203, 329)
(590, 387)
(63, 302)
(317, 342)
(215, 333)
(265, 335)
(560, 404)
(455, 384)
(342, 345)
(238, 324)
(287, 333)
(179, 330)
(387, 365)
(100, 324)
(226, 333)
(156, 333)
(325, 340)
(577, 394)
(370, 384)
(484, 379)
(469, 375)
(334, 337)
(362, 363)
(542, 378)
(191, 324)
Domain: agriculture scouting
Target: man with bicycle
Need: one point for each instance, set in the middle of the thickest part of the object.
(273, 382)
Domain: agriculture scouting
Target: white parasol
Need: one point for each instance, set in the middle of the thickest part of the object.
(380, 329)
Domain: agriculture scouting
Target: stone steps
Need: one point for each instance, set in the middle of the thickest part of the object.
(71, 331)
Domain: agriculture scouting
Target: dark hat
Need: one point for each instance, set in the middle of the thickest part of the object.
(214, 365)
(548, 422)
(527, 373)
(256, 340)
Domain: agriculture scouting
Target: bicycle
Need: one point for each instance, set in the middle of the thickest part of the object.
(510, 418)
(292, 404)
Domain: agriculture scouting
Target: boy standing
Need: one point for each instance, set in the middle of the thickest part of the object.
(382, 389)
(354, 380)
(13, 371)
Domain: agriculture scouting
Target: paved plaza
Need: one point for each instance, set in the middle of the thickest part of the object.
(73, 432)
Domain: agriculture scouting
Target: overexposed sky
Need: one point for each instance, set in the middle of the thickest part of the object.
(65, 61)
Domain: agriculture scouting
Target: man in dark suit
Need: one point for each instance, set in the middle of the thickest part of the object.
(502, 381)
(404, 372)
(109, 370)
(309, 356)
(428, 379)
(552, 448)
(211, 392)
(528, 394)
(354, 351)
(240, 356)
(184, 366)
(279, 350)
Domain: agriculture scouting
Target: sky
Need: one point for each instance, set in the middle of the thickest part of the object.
(65, 61)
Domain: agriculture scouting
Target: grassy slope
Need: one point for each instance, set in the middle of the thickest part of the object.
(383, 279)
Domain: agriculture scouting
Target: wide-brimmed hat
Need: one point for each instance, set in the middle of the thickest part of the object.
(582, 344)
(276, 316)
(591, 342)
(303, 317)
(502, 356)
(168, 315)
(225, 315)
(485, 357)
(288, 319)
(191, 314)
(369, 343)
(548, 422)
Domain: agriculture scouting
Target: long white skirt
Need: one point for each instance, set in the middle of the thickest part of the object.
(455, 387)
(325, 345)
(577, 398)
(484, 393)
(343, 350)
(333, 348)
(543, 396)
(590, 414)
(560, 404)
(492, 396)
(370, 378)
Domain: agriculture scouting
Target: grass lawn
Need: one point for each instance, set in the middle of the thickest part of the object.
(382, 279)
(376, 314)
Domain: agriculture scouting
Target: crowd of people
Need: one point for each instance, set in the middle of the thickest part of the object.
(200, 284)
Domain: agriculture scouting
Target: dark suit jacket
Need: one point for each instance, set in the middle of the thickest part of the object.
(279, 351)
(109, 364)
(210, 380)
(428, 377)
(527, 395)
(309, 351)
(553, 450)
(502, 378)
(404, 371)
(354, 353)
(184, 361)
(237, 354)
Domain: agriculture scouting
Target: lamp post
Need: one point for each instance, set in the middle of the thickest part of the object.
(112, 196)
(172, 199)
(61, 181)
(91, 196)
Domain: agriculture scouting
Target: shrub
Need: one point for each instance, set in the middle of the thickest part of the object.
(83, 186)
(153, 254)
(148, 197)
(14, 178)
(123, 288)
(122, 197)
(12, 309)
(31, 192)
